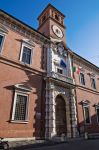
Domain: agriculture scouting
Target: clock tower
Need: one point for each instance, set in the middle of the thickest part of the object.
(51, 23)
(60, 103)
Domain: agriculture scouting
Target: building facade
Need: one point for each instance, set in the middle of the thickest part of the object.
(22, 86)
(87, 96)
(46, 90)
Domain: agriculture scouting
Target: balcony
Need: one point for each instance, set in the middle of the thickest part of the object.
(61, 77)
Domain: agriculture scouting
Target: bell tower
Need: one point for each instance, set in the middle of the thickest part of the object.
(51, 23)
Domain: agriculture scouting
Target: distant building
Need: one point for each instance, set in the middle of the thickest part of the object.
(46, 90)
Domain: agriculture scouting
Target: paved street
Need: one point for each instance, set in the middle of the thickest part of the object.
(73, 145)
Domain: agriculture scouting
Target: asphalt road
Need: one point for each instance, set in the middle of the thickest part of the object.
(73, 145)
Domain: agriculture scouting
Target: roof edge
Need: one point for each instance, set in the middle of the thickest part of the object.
(80, 57)
(24, 23)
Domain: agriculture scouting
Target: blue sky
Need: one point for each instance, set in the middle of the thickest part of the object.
(82, 21)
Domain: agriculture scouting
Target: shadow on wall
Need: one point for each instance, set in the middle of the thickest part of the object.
(92, 127)
(35, 80)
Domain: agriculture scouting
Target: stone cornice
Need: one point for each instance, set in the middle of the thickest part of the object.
(87, 89)
(21, 66)
(79, 60)
(23, 29)
(60, 82)
(54, 21)
(3, 29)
(86, 64)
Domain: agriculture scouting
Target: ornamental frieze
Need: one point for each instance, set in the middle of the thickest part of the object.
(28, 33)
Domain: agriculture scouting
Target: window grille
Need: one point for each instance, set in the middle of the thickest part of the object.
(20, 107)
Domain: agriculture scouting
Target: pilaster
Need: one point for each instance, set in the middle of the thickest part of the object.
(73, 114)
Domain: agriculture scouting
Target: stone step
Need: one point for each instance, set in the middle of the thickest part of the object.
(93, 136)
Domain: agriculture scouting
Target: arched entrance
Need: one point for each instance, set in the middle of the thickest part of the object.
(60, 109)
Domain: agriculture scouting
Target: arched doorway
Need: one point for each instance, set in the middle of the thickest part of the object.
(60, 115)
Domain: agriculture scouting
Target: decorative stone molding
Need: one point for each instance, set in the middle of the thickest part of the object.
(3, 29)
(50, 109)
(29, 42)
(23, 29)
(23, 87)
(85, 102)
(73, 113)
(86, 66)
(91, 74)
(61, 91)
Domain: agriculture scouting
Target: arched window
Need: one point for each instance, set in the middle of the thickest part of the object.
(56, 17)
(43, 18)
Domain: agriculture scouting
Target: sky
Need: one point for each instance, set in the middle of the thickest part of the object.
(82, 21)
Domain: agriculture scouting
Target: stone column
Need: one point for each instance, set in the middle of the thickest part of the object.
(47, 111)
(50, 113)
(68, 121)
(73, 114)
(52, 123)
(49, 61)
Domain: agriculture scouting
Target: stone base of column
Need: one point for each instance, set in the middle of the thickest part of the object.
(75, 132)
(53, 134)
(69, 135)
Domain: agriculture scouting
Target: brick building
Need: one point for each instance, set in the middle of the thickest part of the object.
(87, 95)
(46, 89)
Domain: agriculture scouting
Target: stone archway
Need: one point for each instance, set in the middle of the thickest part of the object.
(60, 115)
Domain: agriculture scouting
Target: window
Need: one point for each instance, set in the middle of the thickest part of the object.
(26, 54)
(56, 17)
(20, 108)
(52, 14)
(1, 42)
(97, 111)
(61, 20)
(1, 38)
(21, 101)
(43, 18)
(59, 70)
(82, 79)
(86, 111)
(93, 83)
(86, 114)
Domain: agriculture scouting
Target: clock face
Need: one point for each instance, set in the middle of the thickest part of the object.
(57, 31)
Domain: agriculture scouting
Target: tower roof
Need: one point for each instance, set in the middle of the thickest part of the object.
(50, 6)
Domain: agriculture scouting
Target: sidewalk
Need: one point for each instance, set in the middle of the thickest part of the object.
(19, 145)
